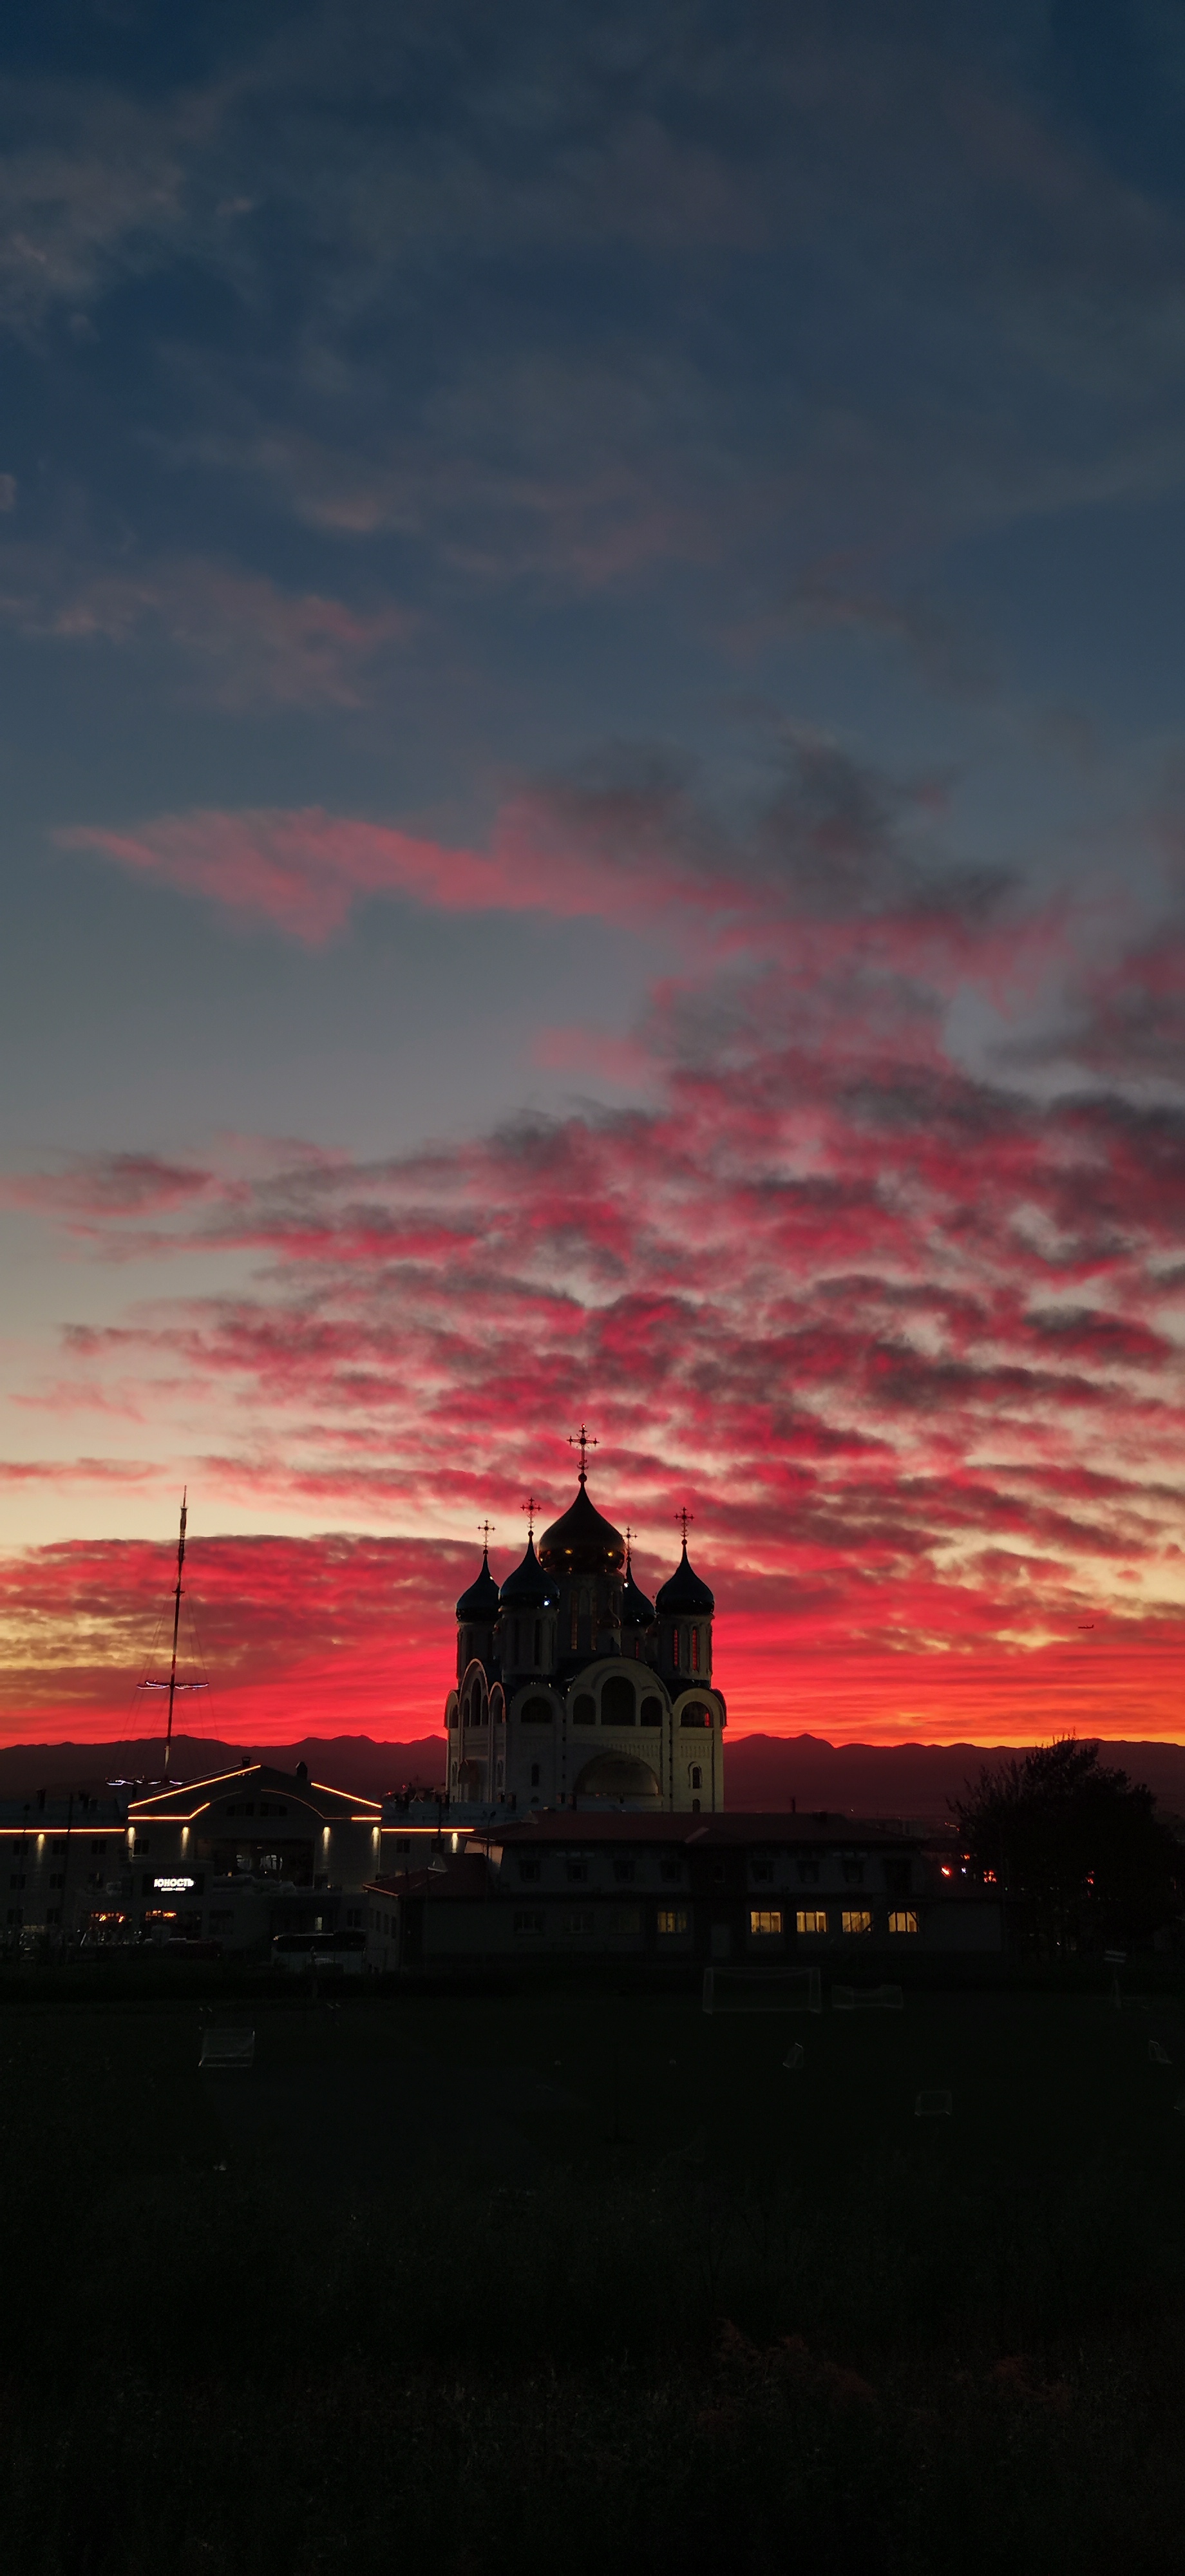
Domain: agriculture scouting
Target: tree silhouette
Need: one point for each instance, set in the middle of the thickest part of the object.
(1080, 1845)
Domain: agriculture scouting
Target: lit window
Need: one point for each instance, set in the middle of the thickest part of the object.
(813, 1919)
(528, 1925)
(765, 1922)
(856, 1920)
(672, 1922)
(905, 1921)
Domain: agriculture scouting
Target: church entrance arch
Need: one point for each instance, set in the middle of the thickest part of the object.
(617, 1775)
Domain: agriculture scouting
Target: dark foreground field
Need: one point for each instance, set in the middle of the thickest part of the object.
(590, 2282)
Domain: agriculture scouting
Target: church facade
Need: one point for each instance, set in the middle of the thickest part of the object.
(574, 1690)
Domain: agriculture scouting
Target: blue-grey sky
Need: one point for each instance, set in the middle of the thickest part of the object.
(552, 560)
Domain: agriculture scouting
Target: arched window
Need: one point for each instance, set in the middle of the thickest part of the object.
(536, 1712)
(696, 1713)
(617, 1701)
(675, 1648)
(584, 1709)
(651, 1712)
(697, 1777)
(534, 1775)
(695, 1650)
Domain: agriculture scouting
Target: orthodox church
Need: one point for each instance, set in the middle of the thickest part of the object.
(574, 1690)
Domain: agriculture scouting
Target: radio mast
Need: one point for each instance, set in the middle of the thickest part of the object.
(176, 1627)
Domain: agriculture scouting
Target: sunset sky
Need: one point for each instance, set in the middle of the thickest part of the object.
(592, 618)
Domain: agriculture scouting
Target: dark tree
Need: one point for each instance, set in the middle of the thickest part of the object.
(1080, 1846)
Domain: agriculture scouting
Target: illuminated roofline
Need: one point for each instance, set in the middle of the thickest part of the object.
(210, 1782)
(175, 1815)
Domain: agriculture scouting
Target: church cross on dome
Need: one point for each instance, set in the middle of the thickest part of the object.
(628, 1536)
(683, 1521)
(583, 1441)
(530, 1507)
(486, 1528)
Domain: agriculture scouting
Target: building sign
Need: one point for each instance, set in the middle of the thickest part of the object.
(172, 1886)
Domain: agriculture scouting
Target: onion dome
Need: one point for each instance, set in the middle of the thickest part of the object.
(481, 1600)
(528, 1587)
(685, 1595)
(636, 1610)
(582, 1541)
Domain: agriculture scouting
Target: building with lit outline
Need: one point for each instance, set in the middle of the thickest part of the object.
(574, 1690)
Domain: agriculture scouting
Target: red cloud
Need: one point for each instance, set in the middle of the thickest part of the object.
(907, 1339)
(304, 872)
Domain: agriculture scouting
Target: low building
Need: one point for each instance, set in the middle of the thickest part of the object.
(247, 1856)
(60, 1854)
(651, 1887)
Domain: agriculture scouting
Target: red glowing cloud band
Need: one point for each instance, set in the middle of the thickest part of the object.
(903, 1328)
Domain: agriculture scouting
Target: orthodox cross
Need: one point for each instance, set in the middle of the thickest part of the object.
(485, 1527)
(684, 1520)
(628, 1536)
(530, 1507)
(582, 1441)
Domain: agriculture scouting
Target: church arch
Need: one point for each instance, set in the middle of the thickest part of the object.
(619, 1706)
(617, 1775)
(536, 1711)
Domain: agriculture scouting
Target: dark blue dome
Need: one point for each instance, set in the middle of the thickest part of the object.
(685, 1594)
(527, 1588)
(481, 1600)
(636, 1610)
(582, 1541)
